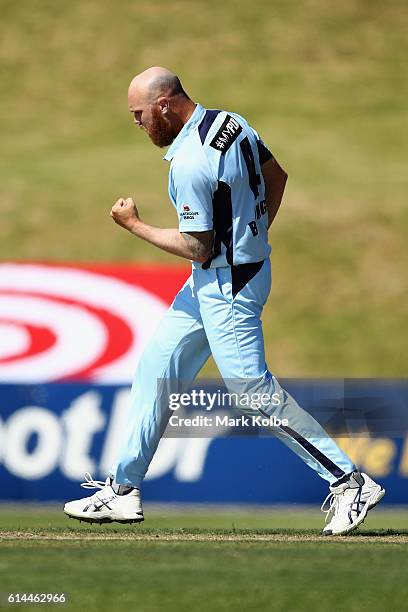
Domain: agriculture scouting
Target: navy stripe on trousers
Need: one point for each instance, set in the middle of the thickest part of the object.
(312, 450)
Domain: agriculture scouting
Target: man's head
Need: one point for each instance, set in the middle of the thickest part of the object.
(159, 104)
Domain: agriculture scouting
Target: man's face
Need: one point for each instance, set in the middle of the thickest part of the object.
(150, 118)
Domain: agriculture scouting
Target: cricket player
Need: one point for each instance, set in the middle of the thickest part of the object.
(227, 188)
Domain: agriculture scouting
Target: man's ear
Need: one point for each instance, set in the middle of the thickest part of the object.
(164, 105)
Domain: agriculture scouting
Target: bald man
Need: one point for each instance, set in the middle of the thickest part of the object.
(227, 188)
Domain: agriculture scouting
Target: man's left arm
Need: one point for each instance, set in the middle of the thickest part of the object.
(275, 179)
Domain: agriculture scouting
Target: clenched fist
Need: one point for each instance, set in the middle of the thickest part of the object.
(125, 213)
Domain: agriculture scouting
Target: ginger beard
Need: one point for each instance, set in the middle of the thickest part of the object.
(159, 129)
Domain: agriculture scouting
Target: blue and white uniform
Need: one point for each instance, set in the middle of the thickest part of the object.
(215, 183)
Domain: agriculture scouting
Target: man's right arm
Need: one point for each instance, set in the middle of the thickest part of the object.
(196, 246)
(275, 179)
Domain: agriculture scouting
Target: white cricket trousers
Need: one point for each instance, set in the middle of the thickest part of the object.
(217, 311)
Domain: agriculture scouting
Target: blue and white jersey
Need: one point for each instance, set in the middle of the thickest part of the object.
(215, 182)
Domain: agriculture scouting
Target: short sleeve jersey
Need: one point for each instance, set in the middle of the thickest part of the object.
(216, 183)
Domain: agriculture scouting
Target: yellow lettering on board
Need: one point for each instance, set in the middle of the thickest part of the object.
(404, 459)
(373, 455)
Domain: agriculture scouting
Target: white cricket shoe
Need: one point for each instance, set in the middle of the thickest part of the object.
(105, 506)
(349, 503)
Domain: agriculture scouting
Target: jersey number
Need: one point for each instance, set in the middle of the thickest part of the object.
(254, 178)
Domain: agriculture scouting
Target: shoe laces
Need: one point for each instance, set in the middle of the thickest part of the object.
(332, 500)
(90, 483)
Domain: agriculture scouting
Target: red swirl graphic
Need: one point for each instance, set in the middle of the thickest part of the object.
(41, 339)
(82, 323)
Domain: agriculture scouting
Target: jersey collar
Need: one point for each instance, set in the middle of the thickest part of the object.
(185, 131)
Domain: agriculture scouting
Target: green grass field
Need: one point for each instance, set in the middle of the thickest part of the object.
(324, 83)
(206, 560)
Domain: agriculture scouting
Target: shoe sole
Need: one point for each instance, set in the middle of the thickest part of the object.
(105, 520)
(375, 499)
